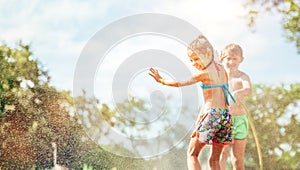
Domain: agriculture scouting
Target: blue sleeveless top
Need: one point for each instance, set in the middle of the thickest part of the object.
(224, 88)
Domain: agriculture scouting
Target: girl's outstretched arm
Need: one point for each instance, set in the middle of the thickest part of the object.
(170, 82)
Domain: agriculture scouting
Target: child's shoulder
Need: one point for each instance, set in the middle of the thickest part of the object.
(243, 75)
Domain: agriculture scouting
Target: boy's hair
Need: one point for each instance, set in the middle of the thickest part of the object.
(200, 45)
(232, 49)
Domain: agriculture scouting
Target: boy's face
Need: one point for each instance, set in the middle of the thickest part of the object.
(232, 60)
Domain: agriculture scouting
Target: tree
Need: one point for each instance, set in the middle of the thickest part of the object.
(275, 112)
(289, 11)
(19, 74)
(33, 115)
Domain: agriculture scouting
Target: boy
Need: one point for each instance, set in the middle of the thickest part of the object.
(240, 86)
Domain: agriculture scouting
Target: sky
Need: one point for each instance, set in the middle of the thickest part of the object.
(59, 30)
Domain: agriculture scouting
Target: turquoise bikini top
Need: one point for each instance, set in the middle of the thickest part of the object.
(224, 88)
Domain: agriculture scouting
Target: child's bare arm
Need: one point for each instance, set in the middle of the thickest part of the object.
(246, 88)
(169, 82)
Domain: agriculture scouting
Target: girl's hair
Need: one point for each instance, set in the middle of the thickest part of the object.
(232, 49)
(201, 45)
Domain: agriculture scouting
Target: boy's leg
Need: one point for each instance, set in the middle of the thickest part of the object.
(193, 152)
(239, 146)
(224, 156)
(238, 152)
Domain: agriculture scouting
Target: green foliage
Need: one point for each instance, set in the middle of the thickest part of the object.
(289, 11)
(33, 115)
(17, 69)
(275, 112)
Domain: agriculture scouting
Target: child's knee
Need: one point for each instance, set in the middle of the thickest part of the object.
(225, 151)
(194, 148)
(214, 158)
(192, 152)
(237, 162)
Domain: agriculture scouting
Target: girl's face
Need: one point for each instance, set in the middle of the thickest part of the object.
(195, 59)
(231, 61)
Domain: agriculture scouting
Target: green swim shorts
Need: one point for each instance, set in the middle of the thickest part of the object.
(240, 127)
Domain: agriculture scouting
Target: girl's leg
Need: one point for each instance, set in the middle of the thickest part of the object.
(192, 154)
(214, 160)
(224, 156)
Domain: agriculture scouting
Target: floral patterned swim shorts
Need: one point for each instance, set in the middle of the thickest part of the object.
(215, 127)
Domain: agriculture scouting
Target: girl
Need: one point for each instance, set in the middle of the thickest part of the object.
(214, 125)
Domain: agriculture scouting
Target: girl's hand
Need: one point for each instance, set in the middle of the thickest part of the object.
(154, 73)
